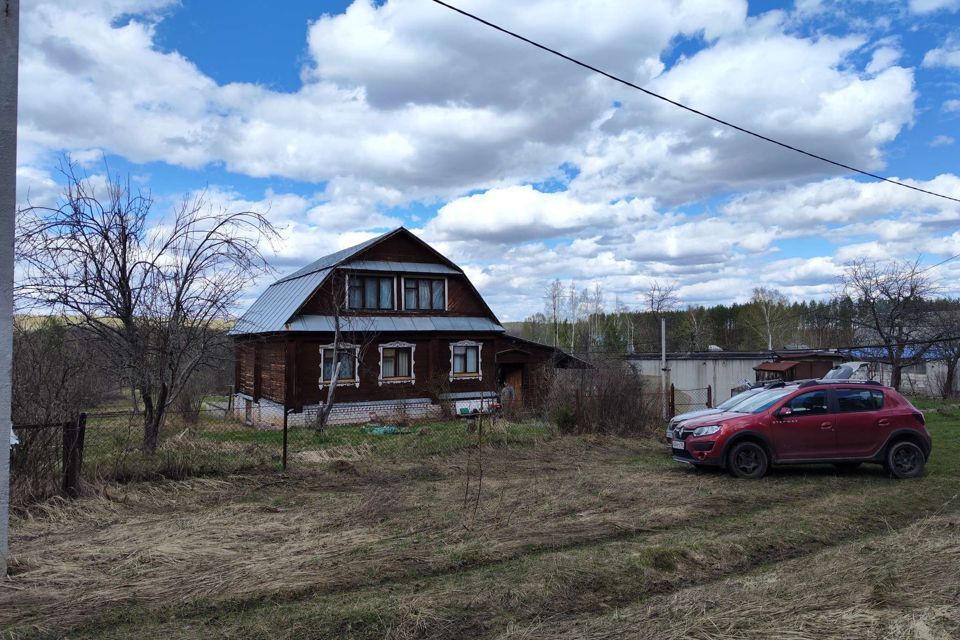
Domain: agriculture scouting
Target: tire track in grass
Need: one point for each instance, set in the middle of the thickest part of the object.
(588, 575)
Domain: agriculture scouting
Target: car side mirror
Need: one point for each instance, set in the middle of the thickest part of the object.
(783, 412)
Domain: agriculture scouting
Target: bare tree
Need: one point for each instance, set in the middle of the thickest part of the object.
(156, 293)
(352, 337)
(696, 318)
(661, 297)
(54, 370)
(554, 302)
(770, 313)
(891, 299)
(946, 318)
(573, 312)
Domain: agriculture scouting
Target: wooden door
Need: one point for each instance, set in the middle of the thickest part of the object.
(514, 378)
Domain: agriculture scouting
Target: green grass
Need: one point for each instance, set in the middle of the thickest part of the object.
(943, 422)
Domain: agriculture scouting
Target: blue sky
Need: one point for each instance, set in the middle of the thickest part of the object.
(343, 120)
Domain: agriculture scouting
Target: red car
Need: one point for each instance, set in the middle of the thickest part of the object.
(844, 422)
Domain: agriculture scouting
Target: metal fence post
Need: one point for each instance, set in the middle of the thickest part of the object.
(709, 397)
(673, 401)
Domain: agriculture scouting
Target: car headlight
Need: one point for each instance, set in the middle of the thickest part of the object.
(706, 431)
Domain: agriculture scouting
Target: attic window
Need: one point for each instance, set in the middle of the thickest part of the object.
(370, 292)
(424, 294)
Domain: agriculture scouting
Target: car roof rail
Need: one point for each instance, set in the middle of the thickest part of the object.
(811, 383)
(775, 385)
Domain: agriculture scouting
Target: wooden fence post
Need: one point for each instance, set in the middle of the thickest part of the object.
(73, 437)
(284, 437)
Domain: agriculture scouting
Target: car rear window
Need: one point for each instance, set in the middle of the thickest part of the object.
(849, 400)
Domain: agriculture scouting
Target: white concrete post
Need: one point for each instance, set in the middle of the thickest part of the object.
(9, 47)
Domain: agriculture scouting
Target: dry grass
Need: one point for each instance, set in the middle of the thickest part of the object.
(354, 547)
(903, 585)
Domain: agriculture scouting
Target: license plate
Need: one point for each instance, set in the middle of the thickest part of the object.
(678, 444)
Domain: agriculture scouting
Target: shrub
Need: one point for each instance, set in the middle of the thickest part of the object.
(609, 398)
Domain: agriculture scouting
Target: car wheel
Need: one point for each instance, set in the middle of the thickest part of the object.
(905, 460)
(748, 460)
(843, 467)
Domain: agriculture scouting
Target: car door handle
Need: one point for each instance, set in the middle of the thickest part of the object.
(826, 425)
(883, 422)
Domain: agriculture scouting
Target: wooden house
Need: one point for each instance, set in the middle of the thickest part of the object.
(414, 334)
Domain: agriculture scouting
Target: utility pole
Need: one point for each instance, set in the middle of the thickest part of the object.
(9, 50)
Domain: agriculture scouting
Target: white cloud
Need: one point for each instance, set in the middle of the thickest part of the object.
(522, 213)
(883, 58)
(951, 105)
(941, 141)
(929, 6)
(404, 101)
(841, 200)
(945, 56)
(418, 100)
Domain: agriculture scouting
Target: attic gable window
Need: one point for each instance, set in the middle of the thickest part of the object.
(420, 294)
(370, 292)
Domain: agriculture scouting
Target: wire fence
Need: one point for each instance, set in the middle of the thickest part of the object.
(683, 400)
(80, 455)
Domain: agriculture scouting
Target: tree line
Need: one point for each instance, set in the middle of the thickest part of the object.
(891, 311)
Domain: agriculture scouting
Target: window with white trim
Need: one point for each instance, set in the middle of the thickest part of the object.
(396, 362)
(465, 360)
(348, 357)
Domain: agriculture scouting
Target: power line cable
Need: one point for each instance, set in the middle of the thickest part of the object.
(688, 108)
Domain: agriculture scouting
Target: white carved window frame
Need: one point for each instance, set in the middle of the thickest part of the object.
(342, 382)
(467, 376)
(396, 380)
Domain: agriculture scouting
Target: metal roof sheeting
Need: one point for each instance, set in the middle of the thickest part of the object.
(281, 300)
(398, 267)
(331, 260)
(393, 323)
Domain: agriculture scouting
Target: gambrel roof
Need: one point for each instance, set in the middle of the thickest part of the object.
(276, 308)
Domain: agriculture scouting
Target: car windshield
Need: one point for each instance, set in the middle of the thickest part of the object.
(764, 400)
(842, 372)
(730, 403)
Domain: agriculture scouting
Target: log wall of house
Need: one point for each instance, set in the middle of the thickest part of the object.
(272, 371)
(261, 369)
(431, 368)
(245, 356)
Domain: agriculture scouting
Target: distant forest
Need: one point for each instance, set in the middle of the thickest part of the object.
(736, 327)
(580, 321)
